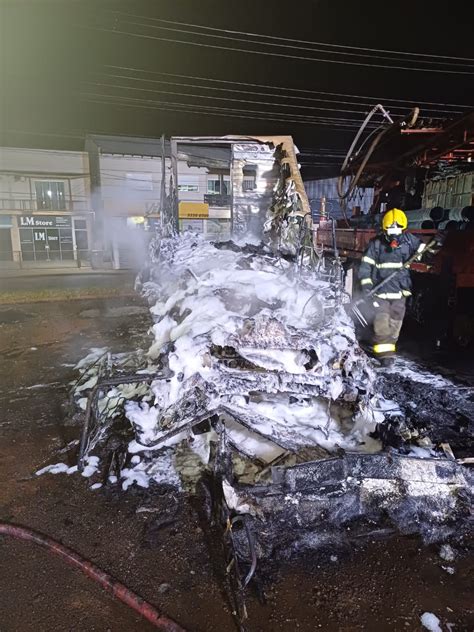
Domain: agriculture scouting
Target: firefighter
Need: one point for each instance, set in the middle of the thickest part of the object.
(386, 253)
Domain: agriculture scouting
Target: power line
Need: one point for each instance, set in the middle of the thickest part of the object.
(322, 152)
(287, 116)
(287, 39)
(343, 127)
(327, 156)
(227, 90)
(246, 111)
(290, 46)
(199, 96)
(274, 54)
(329, 165)
(257, 85)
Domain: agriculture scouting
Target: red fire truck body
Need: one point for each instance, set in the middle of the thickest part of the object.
(445, 283)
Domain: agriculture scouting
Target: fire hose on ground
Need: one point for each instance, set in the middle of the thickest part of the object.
(146, 610)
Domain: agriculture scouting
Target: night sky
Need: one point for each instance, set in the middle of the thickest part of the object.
(57, 58)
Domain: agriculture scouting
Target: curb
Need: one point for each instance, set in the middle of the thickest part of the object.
(29, 275)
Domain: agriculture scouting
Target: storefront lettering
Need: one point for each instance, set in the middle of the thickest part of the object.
(44, 221)
(27, 221)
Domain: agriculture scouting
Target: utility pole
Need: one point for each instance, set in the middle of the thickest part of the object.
(163, 181)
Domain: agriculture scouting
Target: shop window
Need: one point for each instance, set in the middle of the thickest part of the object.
(249, 182)
(213, 186)
(82, 238)
(82, 241)
(47, 244)
(218, 186)
(27, 244)
(50, 196)
(6, 251)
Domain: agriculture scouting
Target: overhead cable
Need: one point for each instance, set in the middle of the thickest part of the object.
(288, 39)
(105, 100)
(275, 54)
(286, 88)
(203, 108)
(234, 100)
(228, 90)
(293, 47)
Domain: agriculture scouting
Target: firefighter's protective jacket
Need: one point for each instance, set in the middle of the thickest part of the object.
(380, 260)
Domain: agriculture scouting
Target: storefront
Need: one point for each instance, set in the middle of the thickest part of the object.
(6, 249)
(46, 238)
(52, 237)
(200, 217)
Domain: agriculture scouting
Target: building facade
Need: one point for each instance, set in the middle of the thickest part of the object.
(49, 216)
(100, 207)
(45, 211)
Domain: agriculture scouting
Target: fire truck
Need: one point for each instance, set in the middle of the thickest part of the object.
(428, 171)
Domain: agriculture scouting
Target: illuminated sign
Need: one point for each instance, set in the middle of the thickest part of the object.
(193, 210)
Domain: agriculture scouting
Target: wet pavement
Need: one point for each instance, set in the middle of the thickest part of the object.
(376, 585)
(74, 280)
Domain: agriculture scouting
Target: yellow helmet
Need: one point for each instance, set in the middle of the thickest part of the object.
(395, 215)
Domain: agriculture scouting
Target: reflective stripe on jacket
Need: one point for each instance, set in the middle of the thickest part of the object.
(380, 260)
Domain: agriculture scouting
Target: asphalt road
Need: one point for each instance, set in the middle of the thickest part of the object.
(69, 281)
(379, 584)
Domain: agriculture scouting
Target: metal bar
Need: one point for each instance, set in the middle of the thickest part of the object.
(163, 179)
(172, 223)
(91, 402)
(251, 542)
(245, 420)
(422, 130)
(85, 428)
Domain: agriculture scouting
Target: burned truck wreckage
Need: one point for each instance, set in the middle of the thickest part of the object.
(256, 390)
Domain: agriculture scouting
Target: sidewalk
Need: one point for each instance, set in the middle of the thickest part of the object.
(61, 285)
(7, 273)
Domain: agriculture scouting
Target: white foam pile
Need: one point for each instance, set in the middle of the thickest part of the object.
(431, 622)
(90, 468)
(242, 334)
(416, 373)
(206, 298)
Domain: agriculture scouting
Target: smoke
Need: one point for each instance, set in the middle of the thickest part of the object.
(127, 207)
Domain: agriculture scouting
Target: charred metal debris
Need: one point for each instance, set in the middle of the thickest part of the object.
(255, 386)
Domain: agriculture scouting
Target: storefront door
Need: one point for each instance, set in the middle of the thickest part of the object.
(49, 238)
(6, 252)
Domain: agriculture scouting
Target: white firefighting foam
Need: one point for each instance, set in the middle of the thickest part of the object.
(205, 298)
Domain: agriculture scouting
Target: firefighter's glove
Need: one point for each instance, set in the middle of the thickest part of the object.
(436, 244)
